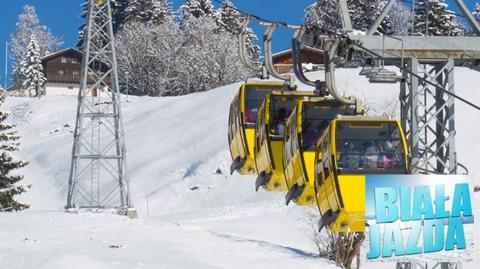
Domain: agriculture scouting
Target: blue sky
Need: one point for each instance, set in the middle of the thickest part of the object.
(62, 16)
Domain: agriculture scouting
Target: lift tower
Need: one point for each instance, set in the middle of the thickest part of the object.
(98, 173)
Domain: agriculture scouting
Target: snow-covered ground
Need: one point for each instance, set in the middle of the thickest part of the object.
(195, 217)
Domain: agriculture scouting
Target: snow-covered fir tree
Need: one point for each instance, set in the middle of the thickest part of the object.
(432, 18)
(476, 12)
(323, 15)
(81, 32)
(196, 9)
(27, 25)
(155, 11)
(167, 59)
(229, 20)
(207, 7)
(400, 19)
(119, 14)
(228, 17)
(31, 70)
(9, 184)
(161, 11)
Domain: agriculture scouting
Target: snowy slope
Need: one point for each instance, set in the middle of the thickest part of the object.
(174, 144)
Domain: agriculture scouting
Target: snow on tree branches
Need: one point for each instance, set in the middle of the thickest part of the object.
(27, 25)
(433, 19)
(476, 12)
(323, 15)
(196, 9)
(167, 59)
(156, 11)
(123, 11)
(196, 52)
(400, 19)
(229, 20)
(31, 71)
(9, 187)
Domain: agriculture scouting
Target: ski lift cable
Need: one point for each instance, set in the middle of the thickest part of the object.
(344, 35)
(221, 2)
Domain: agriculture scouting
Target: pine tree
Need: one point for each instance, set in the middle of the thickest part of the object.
(31, 70)
(160, 11)
(134, 11)
(81, 32)
(476, 12)
(190, 9)
(229, 21)
(433, 19)
(323, 16)
(207, 7)
(9, 187)
(196, 9)
(119, 14)
(228, 18)
(28, 24)
(400, 19)
(154, 11)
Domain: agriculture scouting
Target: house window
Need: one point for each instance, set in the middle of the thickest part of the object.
(60, 72)
(76, 74)
(74, 60)
(64, 60)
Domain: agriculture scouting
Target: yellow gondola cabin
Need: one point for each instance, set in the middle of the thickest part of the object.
(269, 133)
(304, 127)
(351, 148)
(241, 123)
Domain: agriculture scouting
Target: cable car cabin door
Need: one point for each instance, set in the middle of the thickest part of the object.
(236, 135)
(326, 187)
(262, 151)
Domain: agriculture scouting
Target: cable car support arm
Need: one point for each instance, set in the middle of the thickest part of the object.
(244, 57)
(267, 48)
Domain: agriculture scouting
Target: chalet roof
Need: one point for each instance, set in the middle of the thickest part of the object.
(289, 51)
(60, 53)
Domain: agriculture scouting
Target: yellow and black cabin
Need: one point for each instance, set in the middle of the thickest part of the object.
(270, 129)
(351, 148)
(304, 127)
(241, 123)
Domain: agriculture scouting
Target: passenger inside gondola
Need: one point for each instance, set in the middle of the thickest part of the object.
(311, 134)
(369, 148)
(387, 158)
(280, 121)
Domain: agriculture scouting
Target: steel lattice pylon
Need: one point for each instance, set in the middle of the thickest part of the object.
(98, 173)
(428, 117)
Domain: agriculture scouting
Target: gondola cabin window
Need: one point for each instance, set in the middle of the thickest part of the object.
(369, 147)
(287, 148)
(260, 133)
(235, 120)
(315, 119)
(279, 112)
(254, 97)
(325, 158)
(319, 167)
(294, 135)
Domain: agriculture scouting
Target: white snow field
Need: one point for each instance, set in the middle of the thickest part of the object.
(195, 217)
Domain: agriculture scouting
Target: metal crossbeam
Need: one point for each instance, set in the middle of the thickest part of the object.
(98, 173)
(461, 49)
